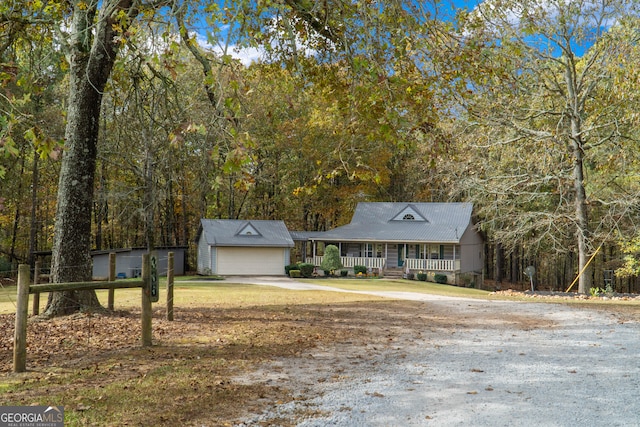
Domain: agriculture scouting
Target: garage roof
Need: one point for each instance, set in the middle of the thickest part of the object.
(234, 232)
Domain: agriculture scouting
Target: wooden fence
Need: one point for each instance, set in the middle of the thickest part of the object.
(145, 283)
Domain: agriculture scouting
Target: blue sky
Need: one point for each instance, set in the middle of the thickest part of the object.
(247, 55)
(447, 10)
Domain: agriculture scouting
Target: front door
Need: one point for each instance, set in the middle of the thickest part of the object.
(401, 255)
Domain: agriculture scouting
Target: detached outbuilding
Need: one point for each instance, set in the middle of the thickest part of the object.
(230, 247)
(129, 261)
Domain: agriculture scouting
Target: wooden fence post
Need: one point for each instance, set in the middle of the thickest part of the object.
(36, 296)
(112, 277)
(20, 334)
(170, 286)
(146, 301)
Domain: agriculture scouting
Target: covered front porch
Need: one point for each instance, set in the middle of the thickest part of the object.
(427, 257)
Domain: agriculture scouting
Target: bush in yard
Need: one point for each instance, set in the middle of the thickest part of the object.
(359, 269)
(331, 260)
(294, 273)
(288, 268)
(422, 276)
(344, 273)
(440, 278)
(306, 269)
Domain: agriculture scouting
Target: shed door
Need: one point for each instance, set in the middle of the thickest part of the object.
(250, 261)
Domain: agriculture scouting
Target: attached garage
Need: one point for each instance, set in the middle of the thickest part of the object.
(261, 261)
(238, 247)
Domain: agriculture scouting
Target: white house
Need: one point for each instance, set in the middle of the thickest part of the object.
(428, 237)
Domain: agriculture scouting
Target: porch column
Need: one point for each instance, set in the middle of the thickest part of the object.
(454, 257)
(424, 258)
(386, 253)
(404, 254)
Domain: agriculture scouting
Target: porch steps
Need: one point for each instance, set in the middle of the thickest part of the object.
(393, 273)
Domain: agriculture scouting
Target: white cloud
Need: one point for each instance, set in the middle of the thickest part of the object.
(281, 42)
(571, 13)
(246, 55)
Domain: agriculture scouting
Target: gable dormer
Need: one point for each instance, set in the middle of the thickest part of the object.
(409, 213)
(248, 230)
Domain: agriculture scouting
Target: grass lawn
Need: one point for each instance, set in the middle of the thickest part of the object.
(95, 367)
(194, 293)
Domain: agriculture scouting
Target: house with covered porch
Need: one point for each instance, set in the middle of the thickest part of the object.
(400, 238)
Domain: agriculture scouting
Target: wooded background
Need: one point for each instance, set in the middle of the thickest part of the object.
(529, 111)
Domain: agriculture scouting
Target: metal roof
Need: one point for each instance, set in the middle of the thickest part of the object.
(303, 236)
(404, 222)
(233, 232)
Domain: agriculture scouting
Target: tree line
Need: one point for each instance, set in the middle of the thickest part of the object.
(527, 110)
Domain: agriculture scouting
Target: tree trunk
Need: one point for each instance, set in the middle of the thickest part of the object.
(101, 209)
(515, 265)
(585, 281)
(33, 223)
(576, 143)
(90, 62)
(499, 263)
(17, 215)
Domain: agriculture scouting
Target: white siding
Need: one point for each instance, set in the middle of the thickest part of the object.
(392, 256)
(471, 251)
(212, 256)
(250, 261)
(287, 257)
(204, 261)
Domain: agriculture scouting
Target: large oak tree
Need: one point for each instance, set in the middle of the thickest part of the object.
(93, 33)
(538, 105)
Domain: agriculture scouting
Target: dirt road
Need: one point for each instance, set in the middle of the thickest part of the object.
(490, 364)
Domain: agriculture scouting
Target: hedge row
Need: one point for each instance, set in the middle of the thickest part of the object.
(359, 269)
(303, 269)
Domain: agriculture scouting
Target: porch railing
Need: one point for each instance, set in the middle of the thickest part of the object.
(349, 262)
(432, 264)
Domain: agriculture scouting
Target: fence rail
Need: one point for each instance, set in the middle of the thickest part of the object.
(25, 288)
(350, 262)
(83, 286)
(411, 263)
(432, 264)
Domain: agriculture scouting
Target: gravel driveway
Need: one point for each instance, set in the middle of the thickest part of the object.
(580, 368)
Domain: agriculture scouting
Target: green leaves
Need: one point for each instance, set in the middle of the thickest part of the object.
(631, 261)
(45, 146)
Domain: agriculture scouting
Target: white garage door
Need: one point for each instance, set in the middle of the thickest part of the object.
(252, 261)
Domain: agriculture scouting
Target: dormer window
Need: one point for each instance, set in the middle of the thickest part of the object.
(248, 230)
(409, 213)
